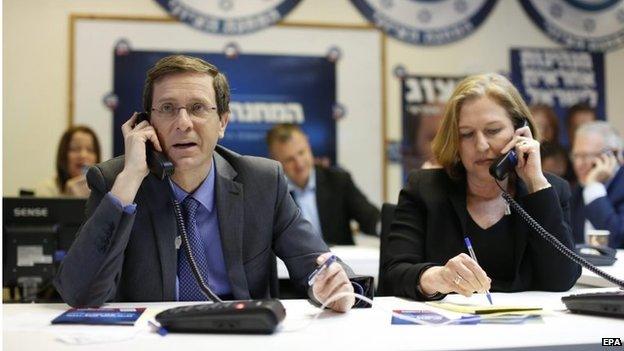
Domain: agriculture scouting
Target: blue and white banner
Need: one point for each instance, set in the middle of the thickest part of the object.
(592, 25)
(266, 89)
(423, 99)
(426, 22)
(229, 16)
(559, 78)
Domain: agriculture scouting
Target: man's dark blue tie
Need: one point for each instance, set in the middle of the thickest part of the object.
(188, 286)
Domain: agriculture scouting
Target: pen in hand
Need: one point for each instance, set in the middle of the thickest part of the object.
(312, 277)
(474, 257)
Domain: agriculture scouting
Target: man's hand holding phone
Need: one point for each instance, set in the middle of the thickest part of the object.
(604, 168)
(136, 133)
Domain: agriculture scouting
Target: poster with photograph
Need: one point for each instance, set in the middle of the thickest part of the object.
(424, 98)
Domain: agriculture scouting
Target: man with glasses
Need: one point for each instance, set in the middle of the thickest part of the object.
(598, 200)
(237, 210)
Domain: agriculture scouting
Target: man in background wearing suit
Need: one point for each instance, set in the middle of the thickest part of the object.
(237, 210)
(598, 200)
(328, 198)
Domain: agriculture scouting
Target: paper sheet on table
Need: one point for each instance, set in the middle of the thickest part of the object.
(487, 309)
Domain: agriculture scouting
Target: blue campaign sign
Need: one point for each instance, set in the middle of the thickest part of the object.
(592, 25)
(231, 17)
(426, 22)
(560, 79)
(265, 90)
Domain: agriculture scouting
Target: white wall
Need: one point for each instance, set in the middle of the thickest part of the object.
(36, 70)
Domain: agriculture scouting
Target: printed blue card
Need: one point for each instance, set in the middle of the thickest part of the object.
(425, 316)
(100, 316)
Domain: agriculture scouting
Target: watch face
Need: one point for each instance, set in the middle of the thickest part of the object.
(426, 22)
(593, 25)
(229, 16)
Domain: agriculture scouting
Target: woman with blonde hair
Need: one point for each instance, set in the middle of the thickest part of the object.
(426, 255)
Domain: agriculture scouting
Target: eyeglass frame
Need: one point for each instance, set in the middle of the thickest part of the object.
(176, 110)
(590, 156)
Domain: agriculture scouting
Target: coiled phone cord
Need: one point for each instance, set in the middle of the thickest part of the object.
(211, 296)
(555, 242)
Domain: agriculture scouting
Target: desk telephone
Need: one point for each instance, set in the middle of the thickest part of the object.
(597, 255)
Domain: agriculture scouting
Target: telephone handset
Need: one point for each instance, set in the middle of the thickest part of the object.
(615, 154)
(504, 164)
(157, 162)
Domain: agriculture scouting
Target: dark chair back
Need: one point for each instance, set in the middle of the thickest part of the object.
(387, 216)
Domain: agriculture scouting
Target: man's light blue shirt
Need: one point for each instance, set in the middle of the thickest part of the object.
(306, 200)
(208, 225)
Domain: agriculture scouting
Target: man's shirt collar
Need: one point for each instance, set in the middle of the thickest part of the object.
(311, 186)
(204, 194)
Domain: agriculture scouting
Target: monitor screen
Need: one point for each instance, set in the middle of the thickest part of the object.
(36, 234)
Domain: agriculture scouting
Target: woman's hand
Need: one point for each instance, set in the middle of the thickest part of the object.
(529, 167)
(77, 186)
(461, 274)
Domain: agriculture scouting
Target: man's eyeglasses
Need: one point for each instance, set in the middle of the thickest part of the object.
(589, 156)
(196, 109)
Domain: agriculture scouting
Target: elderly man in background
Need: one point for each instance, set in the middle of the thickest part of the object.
(598, 200)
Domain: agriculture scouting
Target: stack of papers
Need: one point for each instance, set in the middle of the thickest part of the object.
(487, 309)
(465, 313)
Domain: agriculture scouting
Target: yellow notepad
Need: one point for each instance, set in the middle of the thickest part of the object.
(480, 309)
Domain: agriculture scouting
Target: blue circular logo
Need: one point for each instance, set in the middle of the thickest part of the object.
(591, 25)
(228, 17)
(426, 22)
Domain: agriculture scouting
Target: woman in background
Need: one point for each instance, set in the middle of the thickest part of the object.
(78, 149)
(554, 156)
(546, 122)
(426, 256)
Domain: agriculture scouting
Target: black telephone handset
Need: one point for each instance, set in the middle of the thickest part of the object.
(615, 154)
(157, 162)
(504, 164)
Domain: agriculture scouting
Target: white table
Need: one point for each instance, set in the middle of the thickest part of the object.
(27, 327)
(590, 279)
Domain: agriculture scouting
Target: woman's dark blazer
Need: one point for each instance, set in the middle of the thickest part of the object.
(430, 222)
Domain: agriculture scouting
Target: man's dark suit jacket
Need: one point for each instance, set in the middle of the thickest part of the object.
(430, 222)
(338, 201)
(606, 213)
(132, 257)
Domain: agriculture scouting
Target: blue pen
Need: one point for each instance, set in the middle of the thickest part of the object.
(474, 257)
(319, 269)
